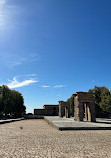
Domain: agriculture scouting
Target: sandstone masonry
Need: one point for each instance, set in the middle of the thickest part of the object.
(84, 106)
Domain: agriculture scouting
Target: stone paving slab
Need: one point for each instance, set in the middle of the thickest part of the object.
(37, 139)
(10, 120)
(70, 124)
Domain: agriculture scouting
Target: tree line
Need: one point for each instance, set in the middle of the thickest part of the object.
(11, 103)
(102, 101)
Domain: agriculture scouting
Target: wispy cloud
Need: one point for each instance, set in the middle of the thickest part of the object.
(31, 75)
(2, 2)
(7, 14)
(58, 95)
(13, 60)
(45, 86)
(59, 86)
(2, 14)
(15, 83)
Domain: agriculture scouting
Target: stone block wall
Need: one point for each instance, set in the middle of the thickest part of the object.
(51, 110)
(64, 109)
(84, 105)
(48, 110)
(39, 112)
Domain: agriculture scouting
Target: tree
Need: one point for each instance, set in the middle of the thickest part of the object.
(102, 101)
(1, 104)
(11, 102)
(105, 103)
(71, 101)
(17, 104)
(5, 96)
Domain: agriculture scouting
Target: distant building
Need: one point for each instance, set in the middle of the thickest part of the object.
(48, 110)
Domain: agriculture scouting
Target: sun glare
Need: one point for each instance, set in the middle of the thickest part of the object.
(2, 1)
(2, 12)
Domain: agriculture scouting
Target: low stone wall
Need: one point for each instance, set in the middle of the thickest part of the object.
(10, 120)
(33, 116)
(39, 111)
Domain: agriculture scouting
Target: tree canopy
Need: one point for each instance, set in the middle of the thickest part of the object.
(11, 103)
(102, 101)
(71, 101)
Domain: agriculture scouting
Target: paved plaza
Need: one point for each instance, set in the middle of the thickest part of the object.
(69, 123)
(37, 139)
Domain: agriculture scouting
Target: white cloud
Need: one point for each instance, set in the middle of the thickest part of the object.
(31, 75)
(13, 60)
(15, 83)
(45, 86)
(59, 86)
(7, 13)
(2, 2)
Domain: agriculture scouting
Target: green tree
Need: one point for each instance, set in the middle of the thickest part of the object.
(102, 101)
(1, 104)
(6, 93)
(71, 101)
(105, 103)
(17, 104)
(11, 102)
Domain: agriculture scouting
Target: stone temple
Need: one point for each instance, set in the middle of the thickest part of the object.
(84, 108)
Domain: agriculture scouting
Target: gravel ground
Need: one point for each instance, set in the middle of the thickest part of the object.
(37, 139)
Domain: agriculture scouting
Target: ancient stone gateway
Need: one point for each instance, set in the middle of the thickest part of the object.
(84, 106)
(64, 109)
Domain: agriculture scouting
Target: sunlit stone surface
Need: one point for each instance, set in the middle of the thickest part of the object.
(36, 139)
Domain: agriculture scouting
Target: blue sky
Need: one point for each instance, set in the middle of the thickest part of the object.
(50, 49)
